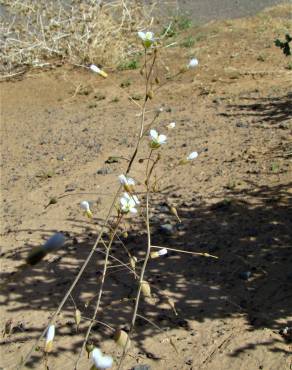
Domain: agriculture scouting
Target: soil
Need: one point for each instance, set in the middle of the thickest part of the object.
(60, 126)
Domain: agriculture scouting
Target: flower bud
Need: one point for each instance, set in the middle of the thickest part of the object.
(89, 348)
(50, 338)
(77, 317)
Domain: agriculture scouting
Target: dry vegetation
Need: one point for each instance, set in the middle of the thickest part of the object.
(36, 32)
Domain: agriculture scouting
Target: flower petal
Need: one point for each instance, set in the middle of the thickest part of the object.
(149, 36)
(127, 197)
(153, 134)
(94, 68)
(131, 181)
(193, 63)
(171, 125)
(192, 156)
(50, 333)
(124, 202)
(142, 35)
(101, 361)
(123, 179)
(136, 200)
(161, 139)
(162, 252)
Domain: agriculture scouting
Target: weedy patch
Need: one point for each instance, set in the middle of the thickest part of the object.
(37, 33)
(129, 65)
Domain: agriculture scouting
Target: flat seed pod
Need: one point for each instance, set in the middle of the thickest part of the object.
(133, 261)
(172, 305)
(122, 339)
(174, 212)
(150, 94)
(77, 317)
(146, 290)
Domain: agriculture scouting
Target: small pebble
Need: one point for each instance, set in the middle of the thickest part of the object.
(245, 275)
(241, 125)
(167, 229)
(104, 171)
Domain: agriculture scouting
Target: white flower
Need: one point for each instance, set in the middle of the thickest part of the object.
(162, 252)
(49, 338)
(193, 63)
(128, 203)
(156, 140)
(85, 205)
(127, 182)
(101, 361)
(171, 125)
(97, 70)
(147, 38)
(159, 253)
(192, 156)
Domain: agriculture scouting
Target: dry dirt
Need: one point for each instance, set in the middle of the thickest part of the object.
(58, 128)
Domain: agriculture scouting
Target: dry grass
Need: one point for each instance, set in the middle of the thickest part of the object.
(36, 32)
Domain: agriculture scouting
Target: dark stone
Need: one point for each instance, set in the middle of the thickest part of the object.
(245, 275)
(167, 229)
(242, 124)
(104, 171)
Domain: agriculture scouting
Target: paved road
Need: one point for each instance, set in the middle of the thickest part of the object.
(203, 11)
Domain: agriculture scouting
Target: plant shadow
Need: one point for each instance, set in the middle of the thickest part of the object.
(250, 231)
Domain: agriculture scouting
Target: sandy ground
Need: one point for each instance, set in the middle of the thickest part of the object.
(59, 127)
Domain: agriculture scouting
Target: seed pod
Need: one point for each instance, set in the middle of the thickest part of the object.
(150, 94)
(77, 318)
(171, 303)
(133, 261)
(157, 80)
(125, 234)
(122, 339)
(174, 212)
(146, 290)
(52, 201)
